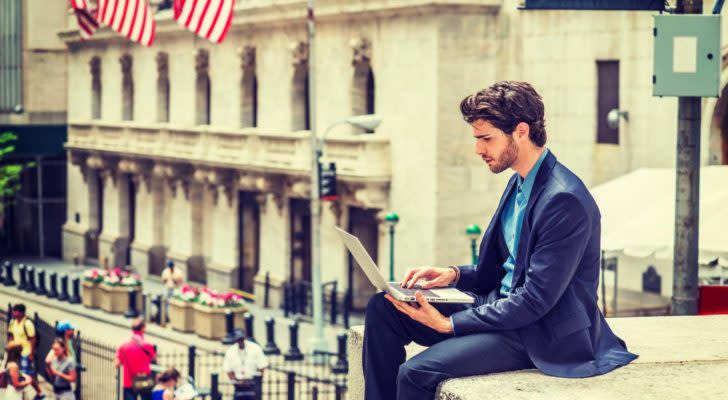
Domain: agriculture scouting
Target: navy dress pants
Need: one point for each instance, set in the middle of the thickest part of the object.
(387, 331)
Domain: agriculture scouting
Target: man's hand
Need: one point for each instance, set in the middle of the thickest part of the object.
(434, 276)
(424, 313)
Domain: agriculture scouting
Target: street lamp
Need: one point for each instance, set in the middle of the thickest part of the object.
(473, 232)
(392, 218)
(368, 122)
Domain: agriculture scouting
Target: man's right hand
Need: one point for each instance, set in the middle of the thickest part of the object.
(434, 276)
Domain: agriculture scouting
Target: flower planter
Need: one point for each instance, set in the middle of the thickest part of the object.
(181, 315)
(115, 299)
(90, 295)
(210, 322)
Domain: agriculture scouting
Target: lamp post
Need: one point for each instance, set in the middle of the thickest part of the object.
(392, 218)
(473, 232)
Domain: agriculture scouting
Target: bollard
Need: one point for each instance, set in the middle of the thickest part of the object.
(30, 286)
(215, 387)
(157, 302)
(266, 295)
(132, 312)
(23, 277)
(9, 280)
(229, 328)
(53, 291)
(41, 289)
(63, 295)
(294, 354)
(342, 365)
(76, 294)
(347, 307)
(270, 346)
(248, 318)
(286, 300)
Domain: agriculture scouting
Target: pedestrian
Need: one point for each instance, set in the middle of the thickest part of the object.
(136, 355)
(244, 363)
(16, 379)
(166, 383)
(22, 330)
(62, 371)
(64, 330)
(172, 279)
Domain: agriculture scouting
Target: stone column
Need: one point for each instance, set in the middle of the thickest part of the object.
(275, 254)
(222, 271)
(77, 207)
(114, 237)
(179, 225)
(144, 220)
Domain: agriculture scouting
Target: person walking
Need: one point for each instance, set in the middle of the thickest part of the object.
(62, 371)
(135, 356)
(64, 330)
(172, 279)
(17, 380)
(22, 330)
(166, 383)
(244, 364)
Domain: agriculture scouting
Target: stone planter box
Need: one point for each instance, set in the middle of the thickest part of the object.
(115, 299)
(181, 315)
(90, 295)
(210, 322)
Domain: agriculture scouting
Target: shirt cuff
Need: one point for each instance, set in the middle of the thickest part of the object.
(452, 324)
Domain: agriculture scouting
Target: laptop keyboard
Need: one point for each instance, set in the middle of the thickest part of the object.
(411, 292)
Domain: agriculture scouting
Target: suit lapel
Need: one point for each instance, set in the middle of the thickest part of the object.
(495, 221)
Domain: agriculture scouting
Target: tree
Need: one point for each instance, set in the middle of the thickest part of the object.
(9, 173)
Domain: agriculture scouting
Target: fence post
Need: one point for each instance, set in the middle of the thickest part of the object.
(333, 304)
(270, 346)
(286, 300)
(23, 277)
(229, 328)
(191, 361)
(41, 289)
(79, 370)
(9, 280)
(63, 296)
(76, 297)
(291, 386)
(53, 292)
(30, 286)
(342, 365)
(340, 392)
(214, 387)
(314, 393)
(248, 317)
(347, 307)
(266, 291)
(294, 354)
(132, 311)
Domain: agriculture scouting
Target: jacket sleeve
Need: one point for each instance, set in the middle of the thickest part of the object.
(563, 231)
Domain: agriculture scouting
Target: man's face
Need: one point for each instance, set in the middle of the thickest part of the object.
(17, 314)
(241, 343)
(495, 147)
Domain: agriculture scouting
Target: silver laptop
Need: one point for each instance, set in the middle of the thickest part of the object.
(440, 295)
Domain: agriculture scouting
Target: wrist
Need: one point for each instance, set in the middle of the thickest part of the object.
(454, 274)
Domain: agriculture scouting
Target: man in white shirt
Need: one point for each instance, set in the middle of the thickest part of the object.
(244, 364)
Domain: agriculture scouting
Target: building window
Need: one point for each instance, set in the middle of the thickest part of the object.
(127, 88)
(11, 56)
(95, 87)
(248, 89)
(300, 95)
(607, 100)
(162, 87)
(202, 88)
(362, 88)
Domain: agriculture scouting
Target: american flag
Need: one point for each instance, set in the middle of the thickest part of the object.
(209, 19)
(85, 18)
(130, 18)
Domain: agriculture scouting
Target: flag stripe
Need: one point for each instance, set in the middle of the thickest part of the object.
(129, 18)
(125, 21)
(132, 25)
(86, 22)
(220, 30)
(209, 19)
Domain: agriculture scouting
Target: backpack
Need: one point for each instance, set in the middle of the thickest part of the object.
(26, 319)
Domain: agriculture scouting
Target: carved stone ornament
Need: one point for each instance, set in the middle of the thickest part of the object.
(362, 51)
(247, 57)
(95, 66)
(202, 61)
(162, 64)
(125, 61)
(299, 52)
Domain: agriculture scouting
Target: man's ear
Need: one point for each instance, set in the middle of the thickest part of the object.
(522, 130)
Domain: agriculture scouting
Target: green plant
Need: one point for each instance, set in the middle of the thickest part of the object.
(9, 173)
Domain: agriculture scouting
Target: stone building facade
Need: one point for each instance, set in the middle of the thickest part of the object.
(199, 153)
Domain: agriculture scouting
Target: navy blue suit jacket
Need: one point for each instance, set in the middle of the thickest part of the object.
(553, 303)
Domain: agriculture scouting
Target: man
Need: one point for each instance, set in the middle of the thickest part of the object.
(535, 283)
(244, 363)
(135, 356)
(171, 279)
(22, 330)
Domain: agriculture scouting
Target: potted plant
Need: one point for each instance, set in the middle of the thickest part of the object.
(114, 291)
(210, 311)
(181, 315)
(90, 283)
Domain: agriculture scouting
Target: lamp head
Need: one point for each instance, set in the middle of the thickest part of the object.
(368, 122)
(473, 231)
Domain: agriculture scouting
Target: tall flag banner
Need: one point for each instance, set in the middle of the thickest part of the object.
(85, 17)
(132, 19)
(209, 19)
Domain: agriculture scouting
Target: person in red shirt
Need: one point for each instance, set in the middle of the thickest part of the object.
(135, 356)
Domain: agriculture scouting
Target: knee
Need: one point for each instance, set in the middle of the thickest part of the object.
(377, 306)
(407, 373)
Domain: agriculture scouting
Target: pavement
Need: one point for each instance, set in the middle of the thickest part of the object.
(682, 357)
(114, 328)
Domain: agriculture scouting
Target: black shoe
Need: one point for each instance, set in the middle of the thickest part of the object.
(39, 396)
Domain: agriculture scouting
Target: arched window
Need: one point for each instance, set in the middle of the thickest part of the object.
(95, 65)
(248, 89)
(362, 88)
(202, 88)
(300, 108)
(127, 88)
(162, 87)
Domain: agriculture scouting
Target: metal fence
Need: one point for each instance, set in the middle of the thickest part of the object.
(298, 301)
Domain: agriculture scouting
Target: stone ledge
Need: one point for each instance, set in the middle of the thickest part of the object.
(680, 357)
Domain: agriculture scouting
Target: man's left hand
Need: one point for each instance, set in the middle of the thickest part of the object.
(423, 313)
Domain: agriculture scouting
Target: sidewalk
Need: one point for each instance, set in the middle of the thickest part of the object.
(98, 319)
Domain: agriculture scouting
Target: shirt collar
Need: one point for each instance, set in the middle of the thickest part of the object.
(526, 185)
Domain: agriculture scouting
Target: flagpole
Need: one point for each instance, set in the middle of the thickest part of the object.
(318, 342)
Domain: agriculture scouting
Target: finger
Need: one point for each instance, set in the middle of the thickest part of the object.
(422, 301)
(416, 277)
(407, 276)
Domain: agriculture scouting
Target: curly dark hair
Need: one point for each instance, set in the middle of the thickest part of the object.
(505, 105)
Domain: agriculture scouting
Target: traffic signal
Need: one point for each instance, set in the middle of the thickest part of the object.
(327, 182)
